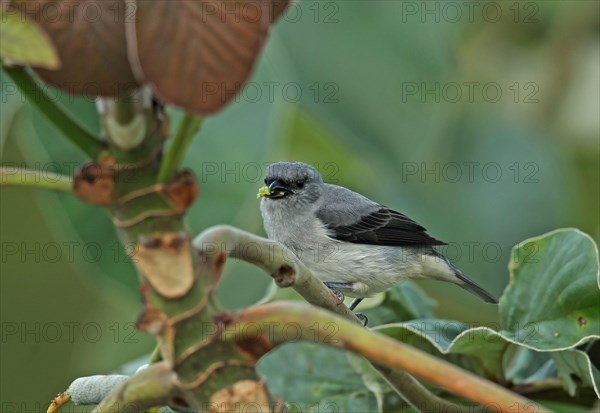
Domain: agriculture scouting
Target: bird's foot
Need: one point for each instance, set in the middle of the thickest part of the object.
(363, 318)
(335, 289)
(335, 286)
(339, 295)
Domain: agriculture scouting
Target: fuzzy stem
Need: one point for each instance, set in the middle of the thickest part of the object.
(10, 176)
(54, 113)
(380, 350)
(151, 387)
(188, 127)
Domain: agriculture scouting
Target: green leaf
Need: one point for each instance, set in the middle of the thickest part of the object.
(479, 349)
(551, 302)
(371, 379)
(576, 368)
(551, 305)
(313, 378)
(559, 407)
(25, 43)
(524, 365)
(404, 302)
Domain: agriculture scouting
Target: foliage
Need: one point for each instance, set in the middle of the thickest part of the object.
(564, 254)
(549, 317)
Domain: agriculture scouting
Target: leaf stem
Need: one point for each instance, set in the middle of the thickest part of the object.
(187, 129)
(55, 114)
(10, 176)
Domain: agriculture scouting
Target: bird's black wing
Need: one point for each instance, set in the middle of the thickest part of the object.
(383, 227)
(351, 217)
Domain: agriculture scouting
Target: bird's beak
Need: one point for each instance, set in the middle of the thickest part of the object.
(275, 190)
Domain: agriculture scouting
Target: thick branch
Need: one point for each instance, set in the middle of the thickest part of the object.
(32, 178)
(271, 257)
(55, 114)
(379, 349)
(275, 259)
(188, 127)
(176, 287)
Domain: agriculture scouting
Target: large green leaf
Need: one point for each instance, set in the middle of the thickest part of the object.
(553, 299)
(553, 303)
(25, 43)
(484, 351)
(575, 367)
(313, 378)
(524, 365)
(479, 349)
(551, 306)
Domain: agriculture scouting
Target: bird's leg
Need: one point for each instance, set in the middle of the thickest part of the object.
(335, 286)
(360, 316)
(363, 318)
(355, 302)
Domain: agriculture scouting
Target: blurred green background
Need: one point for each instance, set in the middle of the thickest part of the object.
(477, 119)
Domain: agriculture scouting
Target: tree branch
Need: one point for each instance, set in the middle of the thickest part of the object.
(188, 127)
(54, 113)
(10, 176)
(272, 257)
(379, 349)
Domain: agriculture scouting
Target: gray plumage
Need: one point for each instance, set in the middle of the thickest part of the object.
(344, 237)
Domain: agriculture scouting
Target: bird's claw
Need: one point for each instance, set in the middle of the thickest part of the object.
(338, 294)
(363, 318)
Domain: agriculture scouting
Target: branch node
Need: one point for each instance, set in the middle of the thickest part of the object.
(94, 183)
(284, 276)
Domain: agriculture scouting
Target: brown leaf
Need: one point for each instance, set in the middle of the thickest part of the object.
(89, 36)
(198, 54)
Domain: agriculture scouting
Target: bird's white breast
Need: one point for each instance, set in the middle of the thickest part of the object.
(378, 267)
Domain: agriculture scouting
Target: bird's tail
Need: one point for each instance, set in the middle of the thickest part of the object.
(467, 283)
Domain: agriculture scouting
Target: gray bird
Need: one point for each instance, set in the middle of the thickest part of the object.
(354, 245)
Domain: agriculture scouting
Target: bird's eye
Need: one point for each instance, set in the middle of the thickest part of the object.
(300, 184)
(266, 183)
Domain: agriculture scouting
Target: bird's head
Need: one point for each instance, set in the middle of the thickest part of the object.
(289, 182)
